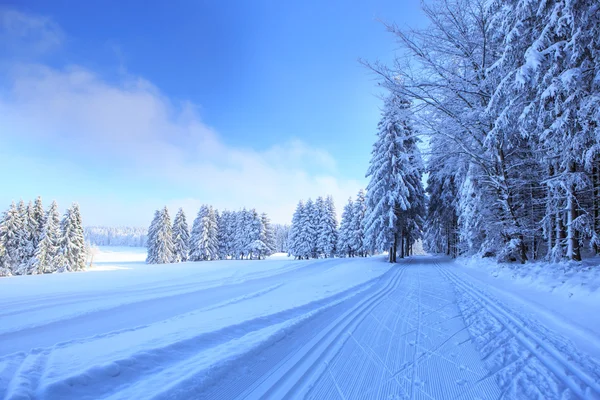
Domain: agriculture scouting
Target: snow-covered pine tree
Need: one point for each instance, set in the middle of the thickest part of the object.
(309, 233)
(255, 248)
(72, 250)
(294, 236)
(356, 232)
(39, 216)
(213, 234)
(151, 243)
(45, 257)
(181, 237)
(25, 241)
(344, 245)
(320, 218)
(11, 229)
(164, 238)
(268, 235)
(328, 230)
(204, 238)
(223, 226)
(391, 172)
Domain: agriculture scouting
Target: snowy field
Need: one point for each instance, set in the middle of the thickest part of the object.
(426, 328)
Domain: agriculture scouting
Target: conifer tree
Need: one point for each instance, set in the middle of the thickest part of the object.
(268, 234)
(295, 235)
(181, 237)
(392, 178)
(356, 235)
(45, 257)
(164, 238)
(151, 243)
(344, 244)
(11, 228)
(72, 250)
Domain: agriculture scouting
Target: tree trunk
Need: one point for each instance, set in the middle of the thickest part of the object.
(573, 251)
(595, 200)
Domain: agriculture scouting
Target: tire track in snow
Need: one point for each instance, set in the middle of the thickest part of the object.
(579, 381)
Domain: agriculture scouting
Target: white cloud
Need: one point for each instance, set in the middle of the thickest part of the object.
(131, 125)
(27, 34)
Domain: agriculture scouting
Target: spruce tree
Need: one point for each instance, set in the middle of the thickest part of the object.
(151, 241)
(344, 244)
(181, 237)
(72, 250)
(295, 235)
(356, 232)
(11, 230)
(45, 257)
(391, 172)
(268, 234)
(164, 238)
(327, 232)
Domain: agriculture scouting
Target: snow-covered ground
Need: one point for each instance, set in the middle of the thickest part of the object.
(564, 296)
(279, 328)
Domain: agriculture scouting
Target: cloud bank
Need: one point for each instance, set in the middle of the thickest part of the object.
(130, 128)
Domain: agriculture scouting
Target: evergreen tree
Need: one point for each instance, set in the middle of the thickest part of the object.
(344, 244)
(204, 238)
(267, 235)
(181, 237)
(11, 229)
(328, 233)
(295, 235)
(356, 235)
(164, 247)
(72, 250)
(45, 257)
(151, 244)
(39, 216)
(393, 176)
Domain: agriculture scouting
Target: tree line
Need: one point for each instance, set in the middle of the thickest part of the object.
(37, 241)
(506, 95)
(115, 236)
(243, 234)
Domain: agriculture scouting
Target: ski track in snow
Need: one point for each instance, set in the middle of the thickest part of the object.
(324, 329)
(526, 359)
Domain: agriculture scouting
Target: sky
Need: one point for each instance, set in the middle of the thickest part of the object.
(125, 107)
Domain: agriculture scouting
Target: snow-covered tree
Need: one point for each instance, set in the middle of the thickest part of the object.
(357, 231)
(204, 244)
(131, 236)
(295, 235)
(327, 228)
(72, 249)
(46, 252)
(11, 231)
(395, 172)
(152, 239)
(164, 250)
(181, 237)
(345, 233)
(267, 235)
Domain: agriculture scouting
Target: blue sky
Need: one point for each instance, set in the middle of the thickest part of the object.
(127, 106)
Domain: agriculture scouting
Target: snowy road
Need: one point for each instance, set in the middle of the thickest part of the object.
(326, 329)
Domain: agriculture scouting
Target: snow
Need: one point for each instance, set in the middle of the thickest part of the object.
(85, 334)
(563, 296)
(339, 328)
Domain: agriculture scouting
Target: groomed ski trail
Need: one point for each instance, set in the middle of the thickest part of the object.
(527, 359)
